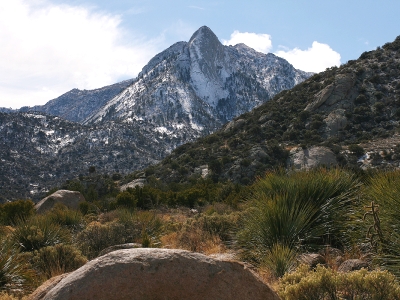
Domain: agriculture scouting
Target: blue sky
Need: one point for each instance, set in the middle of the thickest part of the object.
(51, 46)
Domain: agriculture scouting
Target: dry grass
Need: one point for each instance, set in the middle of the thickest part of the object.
(193, 239)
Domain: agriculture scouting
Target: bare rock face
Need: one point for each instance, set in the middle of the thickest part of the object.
(71, 199)
(352, 265)
(310, 158)
(333, 95)
(335, 121)
(133, 184)
(160, 274)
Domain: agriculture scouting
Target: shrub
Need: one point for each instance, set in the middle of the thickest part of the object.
(11, 212)
(143, 227)
(55, 260)
(14, 274)
(126, 199)
(324, 283)
(300, 210)
(64, 216)
(37, 233)
(96, 237)
(357, 150)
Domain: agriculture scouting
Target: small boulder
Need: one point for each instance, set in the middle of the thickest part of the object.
(147, 273)
(352, 265)
(70, 199)
(312, 259)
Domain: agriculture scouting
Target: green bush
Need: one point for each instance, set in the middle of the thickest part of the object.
(143, 227)
(55, 260)
(11, 212)
(64, 216)
(323, 283)
(126, 199)
(96, 237)
(37, 233)
(300, 211)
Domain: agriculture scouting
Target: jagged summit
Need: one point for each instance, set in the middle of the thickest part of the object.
(204, 33)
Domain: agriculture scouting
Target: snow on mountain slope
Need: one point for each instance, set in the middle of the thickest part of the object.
(194, 87)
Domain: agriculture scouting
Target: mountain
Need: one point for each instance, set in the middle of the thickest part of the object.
(76, 105)
(187, 91)
(346, 116)
(194, 87)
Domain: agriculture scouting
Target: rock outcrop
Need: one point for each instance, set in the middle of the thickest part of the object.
(70, 199)
(160, 274)
(304, 159)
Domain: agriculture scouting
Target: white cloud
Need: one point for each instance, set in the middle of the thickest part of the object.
(258, 41)
(314, 59)
(48, 49)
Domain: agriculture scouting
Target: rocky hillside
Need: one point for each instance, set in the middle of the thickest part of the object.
(76, 105)
(348, 116)
(38, 151)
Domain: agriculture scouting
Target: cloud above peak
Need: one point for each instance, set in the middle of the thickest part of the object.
(258, 41)
(316, 58)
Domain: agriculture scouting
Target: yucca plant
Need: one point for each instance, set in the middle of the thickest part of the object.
(38, 232)
(296, 211)
(14, 273)
(383, 223)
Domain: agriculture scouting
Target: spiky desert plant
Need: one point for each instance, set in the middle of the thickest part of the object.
(297, 211)
(384, 191)
(38, 232)
(14, 272)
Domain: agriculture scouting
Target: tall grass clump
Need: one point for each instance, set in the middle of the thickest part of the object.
(295, 212)
(15, 276)
(383, 229)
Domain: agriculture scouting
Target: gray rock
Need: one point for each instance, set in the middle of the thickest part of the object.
(334, 93)
(335, 121)
(70, 199)
(312, 259)
(301, 159)
(352, 265)
(160, 274)
(137, 182)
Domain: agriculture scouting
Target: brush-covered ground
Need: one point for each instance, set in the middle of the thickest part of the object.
(267, 225)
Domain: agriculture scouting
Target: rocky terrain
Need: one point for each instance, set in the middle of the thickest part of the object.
(351, 114)
(185, 92)
(76, 104)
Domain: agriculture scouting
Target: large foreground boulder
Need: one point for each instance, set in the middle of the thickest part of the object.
(71, 199)
(147, 273)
